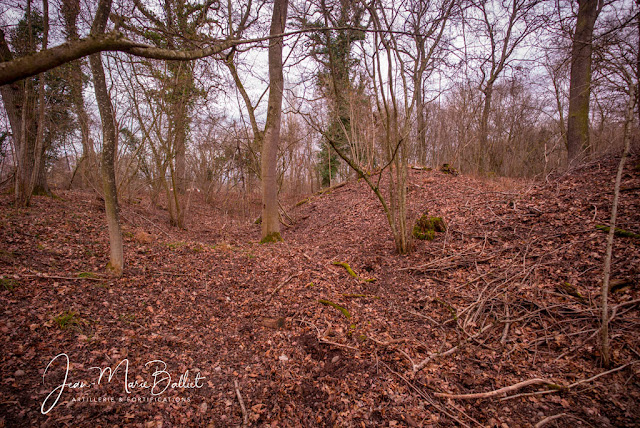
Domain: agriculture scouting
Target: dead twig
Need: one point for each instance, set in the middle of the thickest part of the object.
(549, 419)
(602, 374)
(282, 284)
(67, 278)
(321, 339)
(391, 344)
(245, 416)
(423, 363)
(340, 345)
(573, 385)
(495, 392)
(428, 399)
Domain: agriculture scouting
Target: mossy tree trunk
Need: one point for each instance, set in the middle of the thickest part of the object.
(116, 262)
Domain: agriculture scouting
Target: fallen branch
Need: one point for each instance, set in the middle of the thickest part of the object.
(245, 416)
(500, 391)
(618, 232)
(284, 212)
(573, 385)
(352, 273)
(68, 278)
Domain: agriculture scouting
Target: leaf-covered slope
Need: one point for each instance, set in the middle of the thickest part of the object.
(508, 293)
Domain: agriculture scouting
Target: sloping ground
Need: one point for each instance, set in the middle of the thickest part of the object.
(507, 294)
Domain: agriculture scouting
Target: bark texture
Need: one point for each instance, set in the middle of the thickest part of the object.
(580, 81)
(87, 163)
(271, 141)
(116, 262)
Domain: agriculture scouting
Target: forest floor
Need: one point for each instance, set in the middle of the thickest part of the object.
(508, 294)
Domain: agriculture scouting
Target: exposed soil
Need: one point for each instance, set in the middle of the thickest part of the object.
(509, 293)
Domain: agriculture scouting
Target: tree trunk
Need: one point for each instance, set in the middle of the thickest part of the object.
(605, 347)
(11, 94)
(580, 81)
(38, 178)
(20, 105)
(422, 126)
(70, 10)
(116, 262)
(25, 147)
(270, 217)
(485, 152)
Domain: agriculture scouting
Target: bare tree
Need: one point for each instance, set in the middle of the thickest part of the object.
(580, 83)
(504, 35)
(109, 135)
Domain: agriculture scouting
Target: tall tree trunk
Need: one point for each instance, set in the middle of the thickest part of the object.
(25, 146)
(580, 81)
(38, 178)
(270, 217)
(116, 262)
(12, 94)
(422, 126)
(70, 10)
(485, 152)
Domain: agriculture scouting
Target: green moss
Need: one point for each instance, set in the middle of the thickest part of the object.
(67, 319)
(40, 191)
(344, 311)
(8, 284)
(271, 237)
(86, 275)
(427, 226)
(431, 223)
(448, 169)
(618, 232)
(351, 272)
(175, 245)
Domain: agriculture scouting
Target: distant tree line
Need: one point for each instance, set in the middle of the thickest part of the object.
(283, 97)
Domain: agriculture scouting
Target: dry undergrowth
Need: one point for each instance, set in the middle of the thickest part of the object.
(493, 323)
